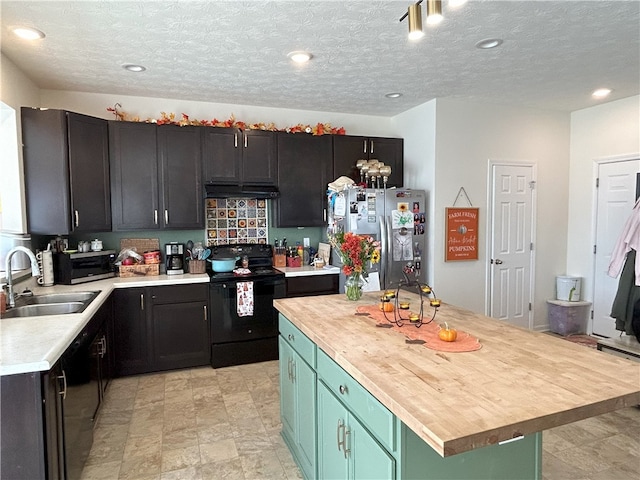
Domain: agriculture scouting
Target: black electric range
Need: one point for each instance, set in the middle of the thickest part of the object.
(244, 323)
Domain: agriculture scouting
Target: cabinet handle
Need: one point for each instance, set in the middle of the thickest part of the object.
(155, 217)
(340, 427)
(102, 347)
(205, 312)
(63, 393)
(290, 337)
(289, 368)
(364, 146)
(142, 301)
(324, 214)
(77, 215)
(245, 141)
(343, 389)
(345, 443)
(371, 149)
(293, 371)
(166, 216)
(235, 140)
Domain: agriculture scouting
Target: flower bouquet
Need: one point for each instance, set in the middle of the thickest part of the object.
(356, 252)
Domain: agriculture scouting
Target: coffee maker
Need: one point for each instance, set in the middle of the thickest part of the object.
(174, 258)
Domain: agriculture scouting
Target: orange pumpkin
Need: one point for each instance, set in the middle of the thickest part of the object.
(447, 334)
(386, 306)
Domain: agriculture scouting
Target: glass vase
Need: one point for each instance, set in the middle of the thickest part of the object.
(353, 286)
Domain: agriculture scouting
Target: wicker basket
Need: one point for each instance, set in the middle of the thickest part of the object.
(140, 245)
(197, 266)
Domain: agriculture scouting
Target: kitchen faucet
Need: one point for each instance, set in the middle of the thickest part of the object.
(35, 271)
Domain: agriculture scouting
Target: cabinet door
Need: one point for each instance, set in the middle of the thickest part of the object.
(259, 158)
(130, 332)
(54, 429)
(287, 392)
(88, 139)
(179, 150)
(180, 335)
(134, 176)
(390, 151)
(305, 383)
(304, 169)
(347, 150)
(222, 154)
(370, 461)
(332, 418)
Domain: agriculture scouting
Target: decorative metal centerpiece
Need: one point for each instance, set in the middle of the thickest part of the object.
(402, 313)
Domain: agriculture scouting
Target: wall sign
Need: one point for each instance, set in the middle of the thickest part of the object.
(461, 230)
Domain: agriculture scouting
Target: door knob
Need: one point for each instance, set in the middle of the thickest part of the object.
(498, 261)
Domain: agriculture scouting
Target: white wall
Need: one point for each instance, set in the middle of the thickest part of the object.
(608, 130)
(468, 135)
(16, 90)
(96, 104)
(418, 127)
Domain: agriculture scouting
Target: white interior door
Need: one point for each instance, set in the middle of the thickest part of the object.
(511, 241)
(616, 196)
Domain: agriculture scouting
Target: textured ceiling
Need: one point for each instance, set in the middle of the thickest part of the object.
(554, 53)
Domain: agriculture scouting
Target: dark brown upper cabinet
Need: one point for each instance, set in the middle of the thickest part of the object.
(304, 170)
(66, 170)
(348, 149)
(156, 176)
(235, 157)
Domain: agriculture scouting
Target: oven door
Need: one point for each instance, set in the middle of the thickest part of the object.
(227, 326)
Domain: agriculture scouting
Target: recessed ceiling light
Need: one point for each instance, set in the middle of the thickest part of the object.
(393, 95)
(456, 3)
(29, 33)
(134, 68)
(489, 43)
(601, 93)
(300, 56)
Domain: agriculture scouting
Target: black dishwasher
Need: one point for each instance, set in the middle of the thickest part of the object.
(82, 399)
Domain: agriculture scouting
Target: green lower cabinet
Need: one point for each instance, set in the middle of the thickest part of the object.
(297, 408)
(515, 460)
(346, 450)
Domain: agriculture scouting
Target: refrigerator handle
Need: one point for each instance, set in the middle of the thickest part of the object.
(384, 251)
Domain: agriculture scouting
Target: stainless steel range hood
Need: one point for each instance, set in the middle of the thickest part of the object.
(242, 191)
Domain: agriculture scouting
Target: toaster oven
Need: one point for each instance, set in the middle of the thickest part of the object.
(73, 268)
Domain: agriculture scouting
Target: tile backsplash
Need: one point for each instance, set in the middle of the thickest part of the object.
(236, 220)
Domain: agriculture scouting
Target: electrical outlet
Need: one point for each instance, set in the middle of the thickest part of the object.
(305, 242)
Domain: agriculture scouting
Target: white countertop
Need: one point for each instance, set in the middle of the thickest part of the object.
(31, 344)
(308, 271)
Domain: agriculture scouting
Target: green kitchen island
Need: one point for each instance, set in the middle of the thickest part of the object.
(358, 401)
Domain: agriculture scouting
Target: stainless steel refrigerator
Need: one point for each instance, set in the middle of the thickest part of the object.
(396, 217)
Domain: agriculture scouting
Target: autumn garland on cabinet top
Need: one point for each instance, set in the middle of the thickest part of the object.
(231, 122)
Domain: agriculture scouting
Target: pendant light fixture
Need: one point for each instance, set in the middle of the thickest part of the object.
(415, 21)
(434, 12)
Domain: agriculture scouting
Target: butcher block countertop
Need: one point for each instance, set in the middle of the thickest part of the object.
(518, 383)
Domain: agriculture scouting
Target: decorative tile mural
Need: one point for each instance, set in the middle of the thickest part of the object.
(236, 220)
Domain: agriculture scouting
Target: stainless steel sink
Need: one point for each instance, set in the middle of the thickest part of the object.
(60, 298)
(44, 309)
(51, 304)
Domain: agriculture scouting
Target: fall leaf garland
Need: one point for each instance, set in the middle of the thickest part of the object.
(231, 122)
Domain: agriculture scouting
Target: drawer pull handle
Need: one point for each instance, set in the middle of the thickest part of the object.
(290, 337)
(343, 389)
(63, 392)
(340, 427)
(346, 443)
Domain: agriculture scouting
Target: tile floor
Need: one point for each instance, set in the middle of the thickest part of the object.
(204, 424)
